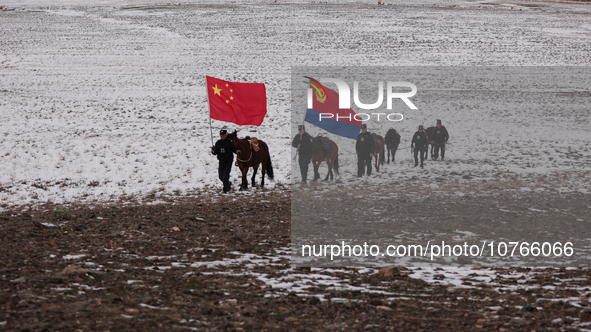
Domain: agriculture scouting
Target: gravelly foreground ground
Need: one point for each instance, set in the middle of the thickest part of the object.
(102, 102)
(223, 265)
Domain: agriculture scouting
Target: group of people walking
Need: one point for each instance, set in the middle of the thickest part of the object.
(421, 140)
(365, 148)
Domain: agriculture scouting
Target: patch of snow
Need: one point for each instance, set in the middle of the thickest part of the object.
(71, 257)
(151, 307)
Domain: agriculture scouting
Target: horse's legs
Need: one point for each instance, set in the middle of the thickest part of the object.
(329, 164)
(264, 162)
(244, 184)
(316, 165)
(254, 174)
(388, 155)
(394, 154)
(318, 170)
(377, 158)
(378, 162)
(263, 168)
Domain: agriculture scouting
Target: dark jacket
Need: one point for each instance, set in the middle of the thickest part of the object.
(305, 143)
(440, 135)
(419, 140)
(224, 149)
(365, 143)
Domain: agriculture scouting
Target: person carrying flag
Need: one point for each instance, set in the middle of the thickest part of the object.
(224, 148)
(303, 142)
(364, 148)
(244, 104)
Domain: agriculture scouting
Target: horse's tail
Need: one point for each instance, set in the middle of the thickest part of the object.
(269, 167)
(336, 165)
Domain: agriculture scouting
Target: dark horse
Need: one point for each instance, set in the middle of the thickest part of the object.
(430, 134)
(392, 143)
(320, 154)
(379, 152)
(252, 153)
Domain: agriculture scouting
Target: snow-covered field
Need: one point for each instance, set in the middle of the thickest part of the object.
(106, 100)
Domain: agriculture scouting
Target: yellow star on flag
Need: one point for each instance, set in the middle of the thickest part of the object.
(231, 97)
(227, 85)
(216, 90)
(227, 101)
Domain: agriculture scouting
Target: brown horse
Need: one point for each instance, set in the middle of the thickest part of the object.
(379, 152)
(252, 153)
(392, 143)
(319, 154)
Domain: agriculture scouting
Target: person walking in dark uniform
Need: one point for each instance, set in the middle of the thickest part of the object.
(303, 142)
(440, 137)
(224, 149)
(419, 145)
(364, 148)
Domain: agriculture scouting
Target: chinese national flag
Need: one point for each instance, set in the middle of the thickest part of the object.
(239, 103)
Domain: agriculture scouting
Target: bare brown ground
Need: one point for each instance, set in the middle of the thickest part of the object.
(141, 278)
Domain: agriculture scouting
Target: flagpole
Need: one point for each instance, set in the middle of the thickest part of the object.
(210, 131)
(209, 111)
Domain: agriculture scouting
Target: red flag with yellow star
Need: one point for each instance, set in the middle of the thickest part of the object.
(239, 103)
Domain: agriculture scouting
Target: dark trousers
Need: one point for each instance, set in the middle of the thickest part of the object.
(362, 160)
(224, 173)
(420, 151)
(436, 150)
(304, 162)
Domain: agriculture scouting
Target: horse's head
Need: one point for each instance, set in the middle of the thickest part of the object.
(233, 136)
(240, 144)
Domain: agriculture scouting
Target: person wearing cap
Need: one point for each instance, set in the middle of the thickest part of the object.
(440, 137)
(224, 149)
(364, 148)
(303, 143)
(419, 145)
